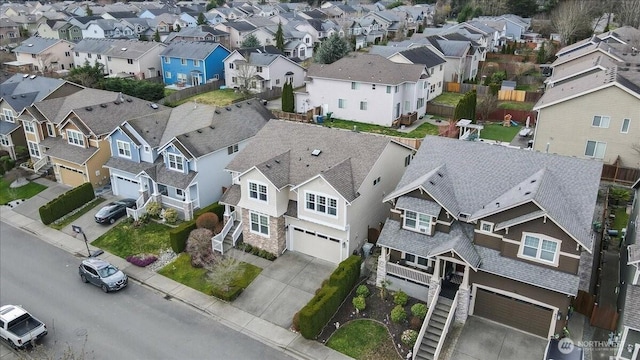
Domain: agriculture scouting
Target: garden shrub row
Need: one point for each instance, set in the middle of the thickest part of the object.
(316, 314)
(66, 203)
(178, 235)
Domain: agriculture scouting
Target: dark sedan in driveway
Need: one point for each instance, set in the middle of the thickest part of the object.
(114, 210)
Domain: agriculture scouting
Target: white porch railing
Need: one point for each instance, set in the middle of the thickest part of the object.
(141, 208)
(40, 163)
(425, 323)
(176, 203)
(218, 239)
(445, 329)
(236, 233)
(420, 277)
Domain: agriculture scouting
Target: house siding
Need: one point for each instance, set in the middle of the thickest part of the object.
(320, 187)
(568, 135)
(98, 175)
(118, 135)
(269, 207)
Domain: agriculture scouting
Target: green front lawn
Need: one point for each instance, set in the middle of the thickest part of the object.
(60, 224)
(124, 239)
(495, 131)
(448, 98)
(216, 97)
(363, 339)
(419, 132)
(515, 105)
(8, 194)
(181, 271)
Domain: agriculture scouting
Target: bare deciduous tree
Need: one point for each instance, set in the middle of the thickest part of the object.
(570, 17)
(628, 13)
(223, 273)
(246, 74)
(485, 105)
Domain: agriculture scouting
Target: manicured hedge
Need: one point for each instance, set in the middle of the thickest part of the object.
(321, 308)
(178, 236)
(66, 203)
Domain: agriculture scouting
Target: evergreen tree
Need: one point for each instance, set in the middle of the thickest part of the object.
(88, 11)
(542, 55)
(210, 5)
(201, 19)
(156, 36)
(87, 75)
(177, 28)
(280, 38)
(251, 41)
(332, 49)
(288, 101)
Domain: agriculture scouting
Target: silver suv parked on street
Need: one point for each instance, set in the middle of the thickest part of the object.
(102, 274)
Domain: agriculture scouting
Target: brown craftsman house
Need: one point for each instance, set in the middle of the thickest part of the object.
(485, 230)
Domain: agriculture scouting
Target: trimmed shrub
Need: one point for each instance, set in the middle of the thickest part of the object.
(363, 290)
(66, 203)
(7, 163)
(419, 310)
(296, 321)
(171, 216)
(409, 337)
(398, 314)
(415, 323)
(154, 209)
(208, 220)
(141, 260)
(400, 298)
(359, 303)
(178, 235)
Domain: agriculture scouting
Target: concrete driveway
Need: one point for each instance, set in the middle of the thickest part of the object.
(486, 340)
(88, 224)
(283, 287)
(30, 207)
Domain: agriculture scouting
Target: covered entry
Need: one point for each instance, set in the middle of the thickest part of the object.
(316, 245)
(517, 313)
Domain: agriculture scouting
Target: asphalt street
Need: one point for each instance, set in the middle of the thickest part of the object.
(135, 323)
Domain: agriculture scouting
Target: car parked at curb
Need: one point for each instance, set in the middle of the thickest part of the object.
(114, 210)
(102, 274)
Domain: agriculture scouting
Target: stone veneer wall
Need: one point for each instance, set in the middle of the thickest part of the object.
(275, 243)
(462, 311)
(381, 271)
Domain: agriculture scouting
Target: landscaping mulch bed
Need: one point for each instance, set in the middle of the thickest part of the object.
(377, 309)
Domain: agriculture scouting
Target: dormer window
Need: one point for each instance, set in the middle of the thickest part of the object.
(175, 162)
(486, 227)
(419, 222)
(257, 191)
(75, 138)
(8, 115)
(124, 149)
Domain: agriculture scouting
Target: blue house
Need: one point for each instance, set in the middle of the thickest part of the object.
(191, 63)
(181, 164)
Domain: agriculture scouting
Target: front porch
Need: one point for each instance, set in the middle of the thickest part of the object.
(184, 200)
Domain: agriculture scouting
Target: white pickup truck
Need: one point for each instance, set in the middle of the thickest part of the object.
(18, 327)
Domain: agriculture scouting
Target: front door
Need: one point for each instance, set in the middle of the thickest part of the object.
(195, 80)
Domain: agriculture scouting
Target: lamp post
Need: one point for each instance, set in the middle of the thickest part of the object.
(78, 230)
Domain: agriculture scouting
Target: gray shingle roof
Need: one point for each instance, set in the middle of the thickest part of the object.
(231, 196)
(56, 109)
(567, 188)
(151, 126)
(20, 92)
(60, 149)
(278, 137)
(113, 47)
(176, 179)
(367, 68)
(7, 128)
(35, 45)
(632, 307)
(634, 253)
(132, 167)
(519, 220)
(190, 49)
(420, 205)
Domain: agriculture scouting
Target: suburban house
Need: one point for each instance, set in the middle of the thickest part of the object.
(584, 88)
(432, 59)
(17, 93)
(160, 157)
(199, 33)
(58, 29)
(629, 323)
(257, 71)
(78, 148)
(9, 31)
(511, 27)
(108, 29)
(190, 63)
(311, 189)
(366, 88)
(120, 57)
(510, 240)
(44, 54)
(237, 31)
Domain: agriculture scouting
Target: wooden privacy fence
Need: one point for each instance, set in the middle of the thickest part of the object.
(604, 317)
(191, 91)
(511, 95)
(414, 143)
(307, 117)
(584, 303)
(519, 116)
(621, 174)
(465, 88)
(441, 110)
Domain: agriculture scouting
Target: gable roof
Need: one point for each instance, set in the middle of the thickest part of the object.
(369, 69)
(36, 45)
(564, 187)
(191, 49)
(291, 144)
(424, 56)
(21, 90)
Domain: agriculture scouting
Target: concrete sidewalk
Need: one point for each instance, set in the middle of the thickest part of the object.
(288, 342)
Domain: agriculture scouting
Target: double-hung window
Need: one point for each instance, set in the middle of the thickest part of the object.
(417, 221)
(175, 162)
(259, 223)
(258, 191)
(124, 149)
(321, 204)
(75, 138)
(34, 150)
(537, 248)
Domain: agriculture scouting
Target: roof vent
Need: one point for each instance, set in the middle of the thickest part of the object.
(248, 102)
(29, 45)
(154, 106)
(497, 204)
(277, 161)
(228, 108)
(103, 105)
(199, 131)
(25, 76)
(211, 127)
(123, 49)
(129, 100)
(316, 152)
(14, 97)
(532, 181)
(186, 135)
(268, 166)
(463, 215)
(88, 108)
(528, 193)
(23, 95)
(432, 183)
(439, 174)
(32, 77)
(216, 111)
(238, 105)
(117, 102)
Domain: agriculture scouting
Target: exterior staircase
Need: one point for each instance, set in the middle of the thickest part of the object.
(227, 242)
(435, 328)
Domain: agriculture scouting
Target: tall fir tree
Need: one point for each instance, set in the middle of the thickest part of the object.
(251, 41)
(332, 49)
(280, 37)
(201, 19)
(287, 98)
(156, 36)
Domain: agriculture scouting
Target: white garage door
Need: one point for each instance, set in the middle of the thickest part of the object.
(316, 245)
(126, 187)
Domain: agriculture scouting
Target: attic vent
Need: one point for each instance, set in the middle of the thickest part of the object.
(432, 183)
(238, 105)
(29, 45)
(316, 152)
(199, 131)
(88, 108)
(129, 100)
(439, 174)
(32, 77)
(117, 102)
(463, 216)
(248, 102)
(268, 166)
(25, 76)
(277, 161)
(528, 193)
(186, 135)
(23, 95)
(211, 127)
(103, 105)
(123, 49)
(216, 111)
(228, 108)
(14, 97)
(532, 181)
(154, 106)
